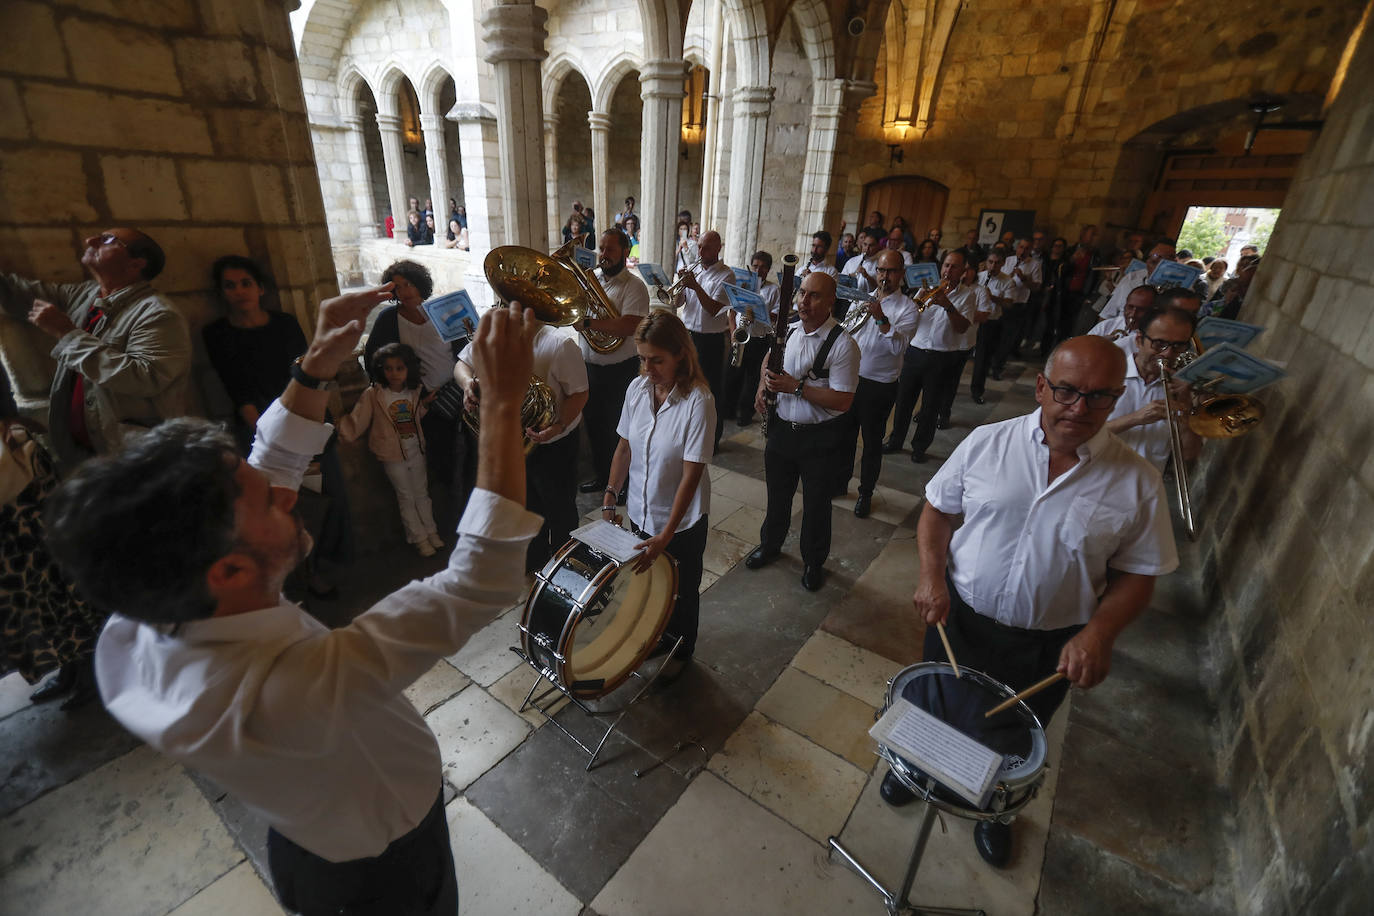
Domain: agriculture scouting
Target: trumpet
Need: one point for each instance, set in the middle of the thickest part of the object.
(858, 314)
(926, 295)
(666, 294)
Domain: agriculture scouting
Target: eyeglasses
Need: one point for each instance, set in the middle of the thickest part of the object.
(1096, 400)
(1159, 345)
(890, 270)
(109, 238)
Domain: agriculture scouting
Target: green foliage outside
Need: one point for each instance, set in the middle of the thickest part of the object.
(1204, 233)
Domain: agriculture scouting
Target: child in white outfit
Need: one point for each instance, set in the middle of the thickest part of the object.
(389, 412)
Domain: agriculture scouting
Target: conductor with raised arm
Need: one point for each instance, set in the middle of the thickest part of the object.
(207, 662)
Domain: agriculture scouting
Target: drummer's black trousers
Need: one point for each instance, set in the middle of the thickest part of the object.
(1016, 657)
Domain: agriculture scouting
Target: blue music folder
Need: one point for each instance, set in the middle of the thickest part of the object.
(748, 302)
(453, 314)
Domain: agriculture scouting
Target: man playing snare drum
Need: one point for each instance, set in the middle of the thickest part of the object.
(1064, 529)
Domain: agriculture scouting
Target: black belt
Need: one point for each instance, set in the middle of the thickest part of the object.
(824, 424)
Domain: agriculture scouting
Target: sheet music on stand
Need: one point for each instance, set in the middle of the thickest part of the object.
(612, 540)
(955, 760)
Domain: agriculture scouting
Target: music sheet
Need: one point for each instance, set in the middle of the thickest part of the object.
(612, 540)
(955, 760)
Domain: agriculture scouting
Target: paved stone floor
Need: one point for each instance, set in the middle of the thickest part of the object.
(775, 711)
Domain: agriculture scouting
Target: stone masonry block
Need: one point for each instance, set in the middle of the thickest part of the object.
(54, 187)
(282, 79)
(49, 254)
(190, 254)
(154, 14)
(250, 133)
(13, 124)
(120, 57)
(221, 192)
(218, 68)
(1050, 86)
(140, 188)
(89, 118)
(231, 18)
(32, 27)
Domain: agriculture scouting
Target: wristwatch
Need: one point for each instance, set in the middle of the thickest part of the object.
(309, 381)
(801, 386)
(585, 324)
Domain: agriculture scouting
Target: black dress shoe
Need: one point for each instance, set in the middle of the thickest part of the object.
(894, 793)
(919, 457)
(591, 486)
(993, 841)
(760, 558)
(890, 447)
(813, 577)
(979, 399)
(59, 685)
(863, 505)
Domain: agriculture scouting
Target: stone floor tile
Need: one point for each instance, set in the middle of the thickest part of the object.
(708, 579)
(42, 747)
(716, 851)
(495, 876)
(842, 664)
(474, 732)
(578, 825)
(487, 657)
(512, 689)
(436, 685)
(894, 506)
(134, 836)
(743, 523)
(14, 693)
(951, 872)
(238, 893)
(876, 614)
(826, 715)
(798, 780)
(746, 490)
(723, 551)
(722, 507)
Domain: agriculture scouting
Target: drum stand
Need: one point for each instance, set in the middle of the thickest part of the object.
(896, 902)
(547, 699)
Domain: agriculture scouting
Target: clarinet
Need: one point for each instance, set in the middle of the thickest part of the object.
(775, 352)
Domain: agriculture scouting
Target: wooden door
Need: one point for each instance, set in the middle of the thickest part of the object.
(920, 201)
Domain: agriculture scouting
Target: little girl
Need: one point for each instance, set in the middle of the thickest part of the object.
(389, 412)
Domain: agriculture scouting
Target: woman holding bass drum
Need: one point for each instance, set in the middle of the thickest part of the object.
(666, 429)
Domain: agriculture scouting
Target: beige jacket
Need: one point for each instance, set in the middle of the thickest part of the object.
(370, 416)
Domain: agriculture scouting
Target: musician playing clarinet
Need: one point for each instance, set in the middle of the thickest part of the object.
(666, 429)
(882, 341)
(1061, 531)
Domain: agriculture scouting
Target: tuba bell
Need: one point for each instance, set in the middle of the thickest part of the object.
(559, 290)
(537, 411)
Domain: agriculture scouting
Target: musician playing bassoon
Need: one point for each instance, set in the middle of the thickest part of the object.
(1061, 529)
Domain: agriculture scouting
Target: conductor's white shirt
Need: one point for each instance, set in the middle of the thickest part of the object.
(797, 359)
(683, 429)
(630, 296)
(881, 350)
(713, 281)
(1033, 554)
(305, 725)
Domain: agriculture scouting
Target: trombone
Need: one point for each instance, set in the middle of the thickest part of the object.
(666, 294)
(1184, 495)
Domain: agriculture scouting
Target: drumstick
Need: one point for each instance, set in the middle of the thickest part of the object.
(948, 651)
(1029, 691)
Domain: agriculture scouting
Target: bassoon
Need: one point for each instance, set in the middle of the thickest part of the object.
(775, 352)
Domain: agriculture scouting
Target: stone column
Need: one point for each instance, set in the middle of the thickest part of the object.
(390, 127)
(515, 34)
(479, 152)
(551, 179)
(834, 116)
(752, 105)
(436, 163)
(368, 227)
(661, 136)
(600, 123)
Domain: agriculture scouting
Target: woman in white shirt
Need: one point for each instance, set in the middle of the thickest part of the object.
(666, 429)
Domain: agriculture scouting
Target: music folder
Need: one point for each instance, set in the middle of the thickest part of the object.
(957, 762)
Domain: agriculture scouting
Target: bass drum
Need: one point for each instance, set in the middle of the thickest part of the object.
(590, 621)
(961, 703)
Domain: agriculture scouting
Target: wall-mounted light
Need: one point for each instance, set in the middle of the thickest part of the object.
(894, 154)
(895, 132)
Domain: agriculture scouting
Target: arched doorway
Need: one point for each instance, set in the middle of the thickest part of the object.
(920, 201)
(622, 161)
(448, 97)
(415, 170)
(365, 103)
(574, 167)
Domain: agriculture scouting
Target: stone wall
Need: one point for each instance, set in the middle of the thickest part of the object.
(1288, 542)
(188, 123)
(574, 100)
(622, 162)
(784, 159)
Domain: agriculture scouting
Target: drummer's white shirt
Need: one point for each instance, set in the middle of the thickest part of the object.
(1035, 555)
(683, 430)
(305, 725)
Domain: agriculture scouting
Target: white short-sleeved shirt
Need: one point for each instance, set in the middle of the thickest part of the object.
(870, 266)
(999, 285)
(935, 331)
(880, 354)
(683, 430)
(821, 268)
(1124, 286)
(559, 363)
(436, 357)
(713, 280)
(1109, 326)
(630, 296)
(771, 294)
(1033, 554)
(1030, 266)
(800, 353)
(1150, 441)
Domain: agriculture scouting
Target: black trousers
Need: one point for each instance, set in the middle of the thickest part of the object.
(989, 339)
(711, 355)
(742, 381)
(413, 876)
(867, 416)
(687, 547)
(605, 397)
(1016, 657)
(927, 374)
(1013, 328)
(957, 374)
(804, 453)
(551, 490)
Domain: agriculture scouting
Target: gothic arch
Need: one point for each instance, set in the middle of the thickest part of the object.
(556, 69)
(429, 87)
(813, 23)
(349, 80)
(662, 23)
(603, 90)
(748, 21)
(387, 84)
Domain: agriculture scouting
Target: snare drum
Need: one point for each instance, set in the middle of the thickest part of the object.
(961, 703)
(591, 621)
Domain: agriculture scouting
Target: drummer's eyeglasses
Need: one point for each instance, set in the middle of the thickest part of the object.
(1159, 344)
(1096, 400)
